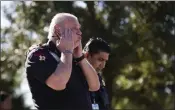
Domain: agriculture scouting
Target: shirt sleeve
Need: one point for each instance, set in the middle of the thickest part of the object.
(40, 64)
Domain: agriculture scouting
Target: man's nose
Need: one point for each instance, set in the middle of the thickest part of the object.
(79, 32)
(103, 65)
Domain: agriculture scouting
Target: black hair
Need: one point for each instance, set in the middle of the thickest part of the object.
(96, 45)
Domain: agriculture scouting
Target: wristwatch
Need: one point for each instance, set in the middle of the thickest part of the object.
(77, 60)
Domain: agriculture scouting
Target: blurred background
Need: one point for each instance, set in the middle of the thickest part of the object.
(140, 73)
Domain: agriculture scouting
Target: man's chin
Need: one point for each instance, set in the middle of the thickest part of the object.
(99, 70)
(77, 43)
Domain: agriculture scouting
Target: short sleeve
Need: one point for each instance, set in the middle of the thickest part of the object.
(40, 64)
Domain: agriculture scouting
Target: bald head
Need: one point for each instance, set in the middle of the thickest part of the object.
(62, 19)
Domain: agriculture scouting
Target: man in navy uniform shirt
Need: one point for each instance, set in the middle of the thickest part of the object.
(59, 75)
(97, 52)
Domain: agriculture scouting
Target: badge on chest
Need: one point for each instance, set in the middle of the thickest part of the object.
(95, 106)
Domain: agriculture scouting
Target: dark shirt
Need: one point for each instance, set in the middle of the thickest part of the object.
(100, 97)
(40, 64)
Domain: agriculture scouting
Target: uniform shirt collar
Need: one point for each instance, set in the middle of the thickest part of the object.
(53, 48)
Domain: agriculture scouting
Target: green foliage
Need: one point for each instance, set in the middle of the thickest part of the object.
(140, 71)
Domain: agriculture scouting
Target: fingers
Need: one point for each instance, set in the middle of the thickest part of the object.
(66, 42)
(67, 34)
(57, 30)
(70, 35)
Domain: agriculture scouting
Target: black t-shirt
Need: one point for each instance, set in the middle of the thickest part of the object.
(40, 64)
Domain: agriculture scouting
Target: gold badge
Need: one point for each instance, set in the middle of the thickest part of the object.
(42, 58)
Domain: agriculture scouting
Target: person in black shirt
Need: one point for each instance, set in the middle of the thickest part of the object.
(58, 74)
(97, 52)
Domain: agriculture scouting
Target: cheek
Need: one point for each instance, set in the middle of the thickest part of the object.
(75, 37)
(96, 63)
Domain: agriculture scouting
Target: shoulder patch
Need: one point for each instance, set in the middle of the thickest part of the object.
(37, 52)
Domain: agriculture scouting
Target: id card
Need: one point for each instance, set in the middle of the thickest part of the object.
(95, 106)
